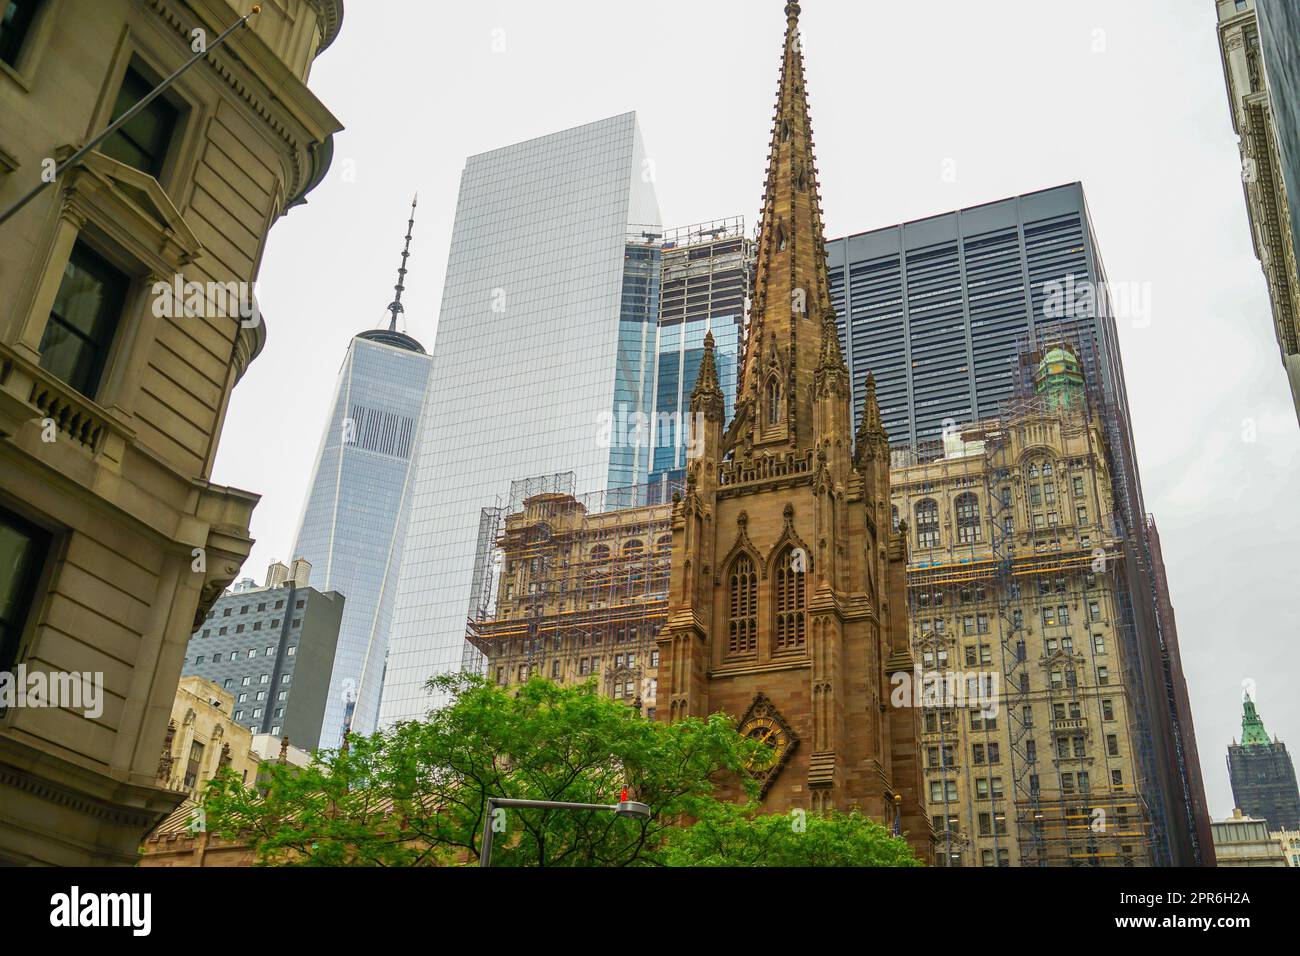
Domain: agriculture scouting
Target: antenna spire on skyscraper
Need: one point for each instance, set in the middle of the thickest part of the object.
(396, 306)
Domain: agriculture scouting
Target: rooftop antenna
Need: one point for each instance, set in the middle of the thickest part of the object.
(396, 306)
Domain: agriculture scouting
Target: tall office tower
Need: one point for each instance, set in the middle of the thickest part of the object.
(703, 285)
(1260, 44)
(1014, 585)
(1262, 775)
(529, 348)
(945, 311)
(680, 284)
(272, 647)
(355, 517)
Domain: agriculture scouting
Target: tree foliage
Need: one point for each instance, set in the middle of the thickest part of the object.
(733, 835)
(415, 795)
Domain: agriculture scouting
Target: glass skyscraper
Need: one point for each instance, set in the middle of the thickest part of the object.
(355, 518)
(543, 322)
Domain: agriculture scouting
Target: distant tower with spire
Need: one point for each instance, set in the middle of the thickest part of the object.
(1262, 775)
(787, 605)
(353, 527)
(391, 335)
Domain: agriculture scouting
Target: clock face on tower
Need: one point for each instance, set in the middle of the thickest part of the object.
(764, 724)
(776, 741)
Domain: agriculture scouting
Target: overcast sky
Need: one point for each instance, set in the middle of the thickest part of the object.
(1126, 96)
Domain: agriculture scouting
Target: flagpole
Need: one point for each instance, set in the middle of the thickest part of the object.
(126, 117)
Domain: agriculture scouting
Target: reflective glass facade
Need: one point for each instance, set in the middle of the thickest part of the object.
(704, 281)
(354, 521)
(525, 364)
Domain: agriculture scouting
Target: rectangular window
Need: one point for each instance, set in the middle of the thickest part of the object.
(194, 764)
(16, 18)
(84, 320)
(22, 553)
(143, 142)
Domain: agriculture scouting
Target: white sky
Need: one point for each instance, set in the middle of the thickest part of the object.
(1126, 96)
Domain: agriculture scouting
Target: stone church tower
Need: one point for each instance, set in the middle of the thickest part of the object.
(787, 604)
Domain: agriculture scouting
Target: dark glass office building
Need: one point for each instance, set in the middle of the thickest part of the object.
(273, 648)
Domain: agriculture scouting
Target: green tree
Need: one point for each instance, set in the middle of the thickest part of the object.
(415, 795)
(733, 835)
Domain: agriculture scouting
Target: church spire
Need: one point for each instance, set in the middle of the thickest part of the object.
(707, 398)
(871, 429)
(791, 316)
(395, 307)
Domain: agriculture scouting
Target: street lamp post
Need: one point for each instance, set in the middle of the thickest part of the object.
(624, 808)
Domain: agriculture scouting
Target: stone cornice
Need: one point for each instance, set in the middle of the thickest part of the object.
(54, 780)
(314, 121)
(331, 21)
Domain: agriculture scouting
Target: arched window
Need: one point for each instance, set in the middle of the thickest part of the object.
(742, 626)
(893, 516)
(599, 553)
(773, 401)
(968, 518)
(665, 541)
(927, 524)
(790, 598)
(633, 546)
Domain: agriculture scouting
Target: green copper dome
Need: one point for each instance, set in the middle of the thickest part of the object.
(1252, 726)
(1059, 378)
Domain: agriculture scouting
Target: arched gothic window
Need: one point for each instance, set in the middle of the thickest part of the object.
(790, 594)
(742, 626)
(773, 401)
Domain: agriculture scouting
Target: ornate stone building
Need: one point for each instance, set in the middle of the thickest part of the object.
(581, 595)
(113, 387)
(787, 604)
(1259, 114)
(202, 738)
(1028, 735)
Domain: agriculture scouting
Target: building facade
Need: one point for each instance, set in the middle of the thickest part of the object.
(525, 364)
(787, 604)
(1242, 840)
(1261, 65)
(945, 311)
(703, 281)
(203, 739)
(581, 595)
(113, 390)
(354, 520)
(273, 648)
(1028, 736)
(1262, 774)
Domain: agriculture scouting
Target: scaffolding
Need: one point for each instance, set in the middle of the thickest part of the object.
(574, 587)
(1052, 825)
